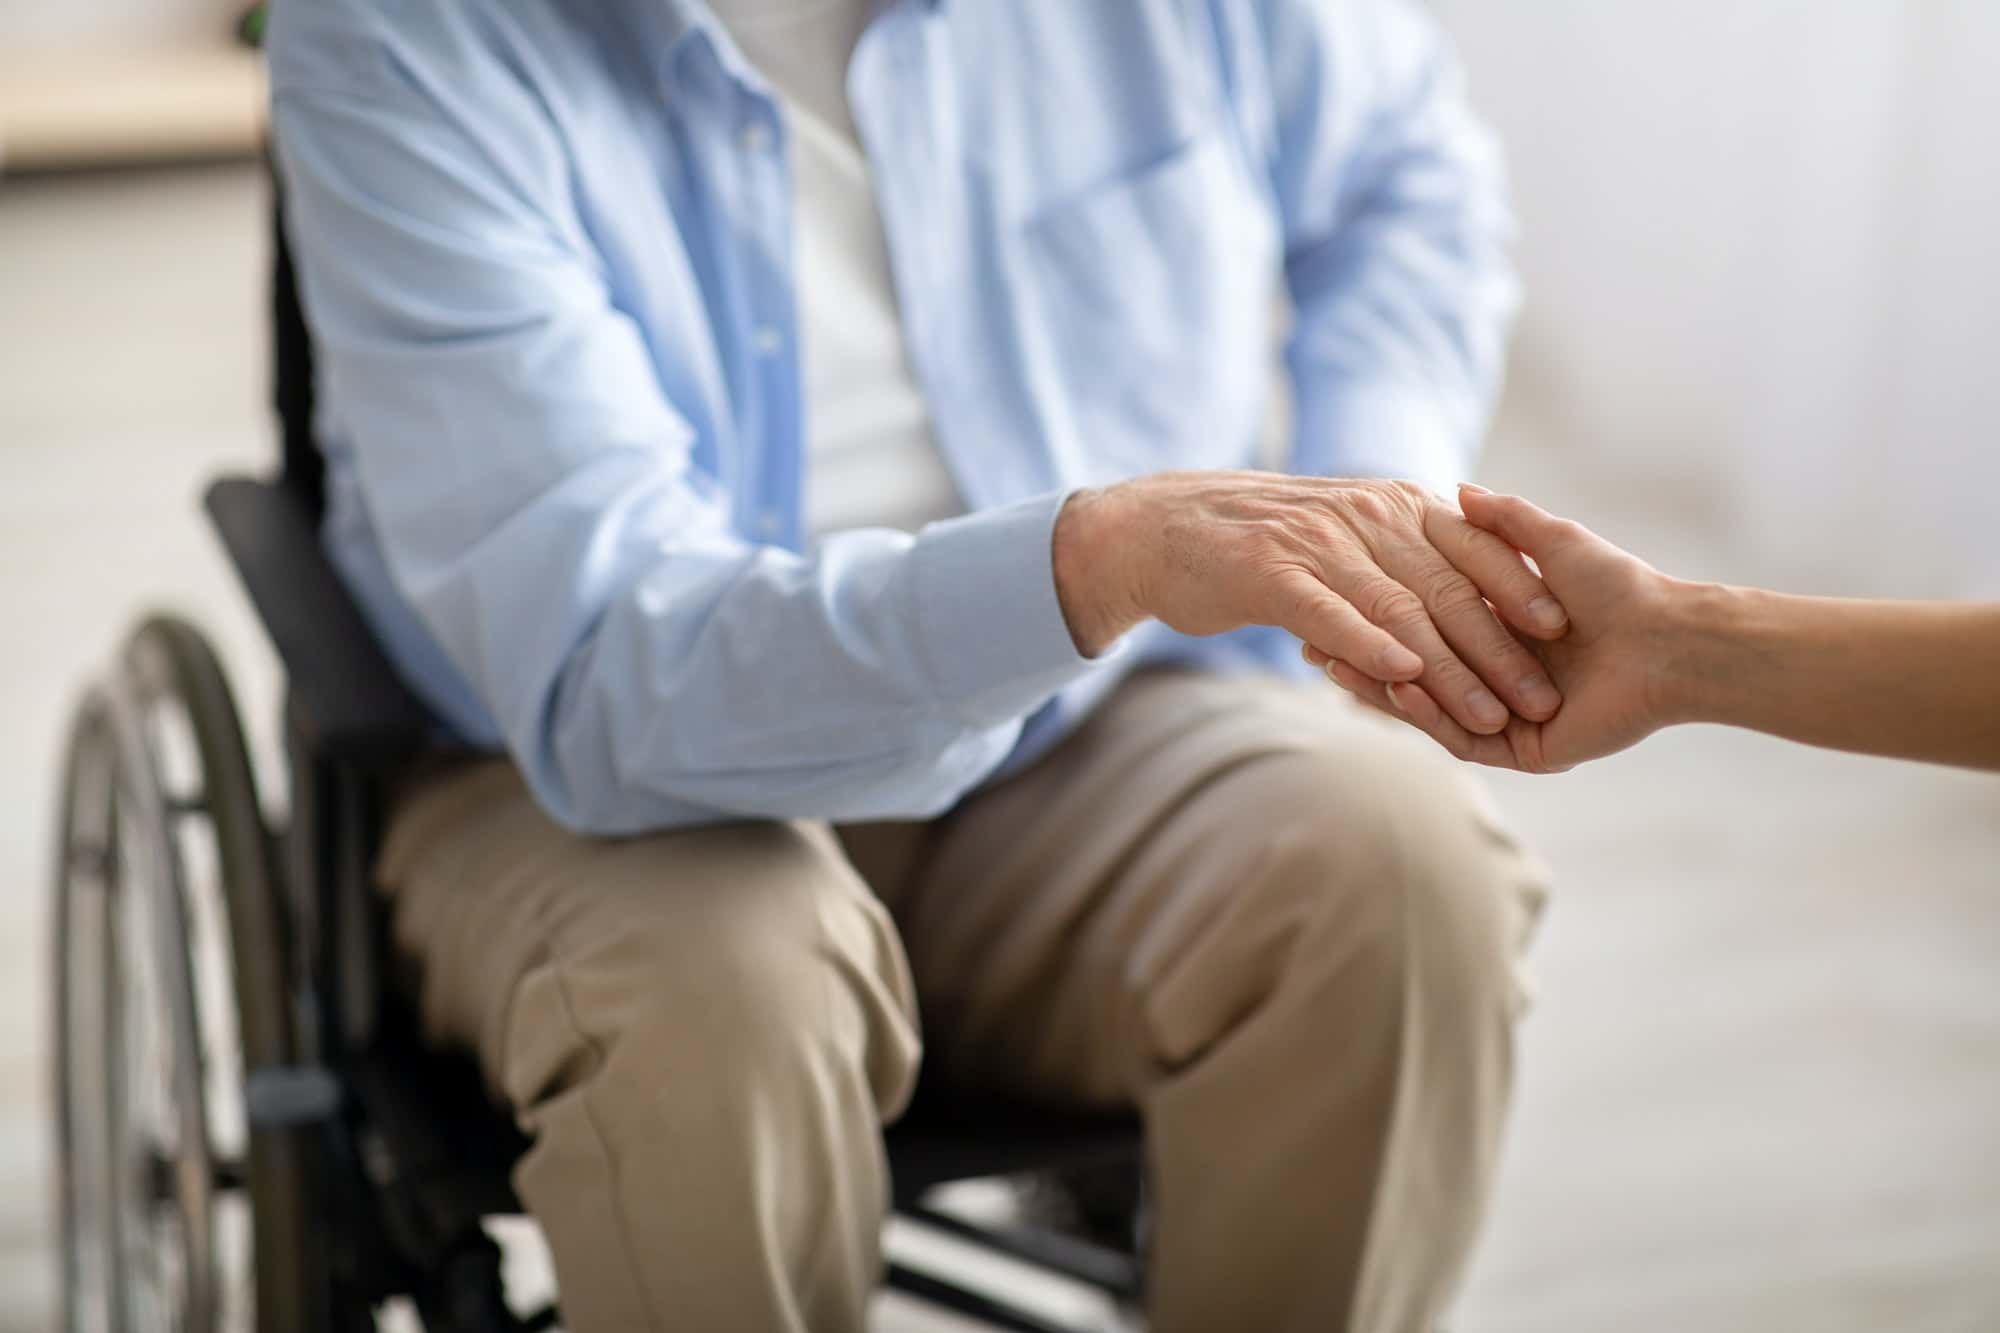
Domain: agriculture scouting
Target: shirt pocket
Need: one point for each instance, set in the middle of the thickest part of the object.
(1153, 295)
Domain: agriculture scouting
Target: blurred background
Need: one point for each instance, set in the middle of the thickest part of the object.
(1761, 1088)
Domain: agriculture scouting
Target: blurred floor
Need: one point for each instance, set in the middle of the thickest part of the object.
(1761, 1088)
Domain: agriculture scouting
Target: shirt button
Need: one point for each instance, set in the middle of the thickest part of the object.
(767, 341)
(769, 523)
(756, 138)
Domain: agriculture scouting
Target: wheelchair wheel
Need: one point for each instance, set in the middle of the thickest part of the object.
(170, 983)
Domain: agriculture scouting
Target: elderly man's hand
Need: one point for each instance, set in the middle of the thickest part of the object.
(1384, 576)
(1614, 667)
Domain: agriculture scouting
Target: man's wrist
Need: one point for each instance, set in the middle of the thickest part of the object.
(1089, 558)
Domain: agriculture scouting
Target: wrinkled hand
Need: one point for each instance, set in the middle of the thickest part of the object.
(1384, 576)
(1611, 667)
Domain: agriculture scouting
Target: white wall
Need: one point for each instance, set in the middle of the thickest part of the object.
(1760, 248)
(34, 26)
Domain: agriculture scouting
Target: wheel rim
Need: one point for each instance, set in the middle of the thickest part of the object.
(86, 1002)
(157, 1230)
(154, 1233)
(200, 1145)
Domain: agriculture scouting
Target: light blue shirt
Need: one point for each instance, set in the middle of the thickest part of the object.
(545, 248)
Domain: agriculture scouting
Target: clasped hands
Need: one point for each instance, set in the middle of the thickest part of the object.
(1420, 610)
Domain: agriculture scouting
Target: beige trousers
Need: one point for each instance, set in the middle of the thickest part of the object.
(1284, 930)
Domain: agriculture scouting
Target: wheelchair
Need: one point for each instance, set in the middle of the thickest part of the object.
(250, 1133)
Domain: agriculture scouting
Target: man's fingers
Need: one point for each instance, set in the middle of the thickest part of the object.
(1480, 639)
(1309, 609)
(1526, 526)
(1389, 603)
(1482, 670)
(1407, 703)
(1498, 571)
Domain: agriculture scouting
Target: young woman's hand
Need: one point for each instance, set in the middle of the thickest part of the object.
(1613, 667)
(1382, 574)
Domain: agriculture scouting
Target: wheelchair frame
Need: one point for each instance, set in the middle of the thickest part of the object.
(235, 1072)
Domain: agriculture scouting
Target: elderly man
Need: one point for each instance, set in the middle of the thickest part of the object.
(802, 442)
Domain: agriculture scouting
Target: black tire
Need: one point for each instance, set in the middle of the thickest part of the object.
(92, 1259)
(168, 892)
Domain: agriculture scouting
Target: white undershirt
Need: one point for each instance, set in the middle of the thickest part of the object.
(871, 460)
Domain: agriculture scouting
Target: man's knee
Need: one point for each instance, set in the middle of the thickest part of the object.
(1399, 853)
(770, 971)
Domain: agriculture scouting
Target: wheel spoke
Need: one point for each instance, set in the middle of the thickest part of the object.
(165, 883)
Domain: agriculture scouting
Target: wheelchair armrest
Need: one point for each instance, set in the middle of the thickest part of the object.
(345, 696)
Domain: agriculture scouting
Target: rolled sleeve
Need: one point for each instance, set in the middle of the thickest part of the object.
(991, 623)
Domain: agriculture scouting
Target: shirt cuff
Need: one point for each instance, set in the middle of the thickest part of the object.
(988, 615)
(1374, 430)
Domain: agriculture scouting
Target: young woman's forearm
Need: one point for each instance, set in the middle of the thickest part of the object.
(1914, 680)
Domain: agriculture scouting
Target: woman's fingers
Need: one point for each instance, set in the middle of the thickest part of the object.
(1404, 702)
(1498, 571)
(1371, 693)
(1525, 526)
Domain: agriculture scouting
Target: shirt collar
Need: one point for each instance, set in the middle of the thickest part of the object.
(689, 18)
